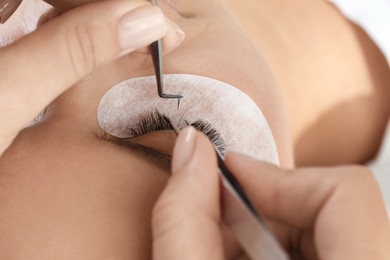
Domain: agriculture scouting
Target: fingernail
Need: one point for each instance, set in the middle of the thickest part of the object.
(184, 149)
(7, 8)
(174, 37)
(171, 40)
(141, 27)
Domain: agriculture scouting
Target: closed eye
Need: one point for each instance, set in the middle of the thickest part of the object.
(156, 121)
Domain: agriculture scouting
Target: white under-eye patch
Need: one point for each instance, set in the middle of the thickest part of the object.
(23, 21)
(231, 112)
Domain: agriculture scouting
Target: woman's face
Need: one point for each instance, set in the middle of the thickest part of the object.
(66, 190)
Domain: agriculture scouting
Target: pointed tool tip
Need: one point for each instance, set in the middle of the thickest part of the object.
(178, 103)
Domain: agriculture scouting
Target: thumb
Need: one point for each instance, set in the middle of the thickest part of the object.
(41, 66)
(186, 218)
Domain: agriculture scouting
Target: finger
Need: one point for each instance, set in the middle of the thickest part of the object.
(42, 65)
(343, 204)
(174, 37)
(66, 5)
(231, 247)
(186, 219)
(185, 8)
(271, 189)
(171, 40)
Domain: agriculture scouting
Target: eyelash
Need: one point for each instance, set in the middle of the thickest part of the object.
(156, 121)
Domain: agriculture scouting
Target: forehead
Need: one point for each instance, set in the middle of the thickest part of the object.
(23, 21)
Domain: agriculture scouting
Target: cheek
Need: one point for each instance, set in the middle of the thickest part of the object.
(88, 196)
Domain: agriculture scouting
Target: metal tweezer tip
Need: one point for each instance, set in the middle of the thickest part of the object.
(157, 57)
(156, 51)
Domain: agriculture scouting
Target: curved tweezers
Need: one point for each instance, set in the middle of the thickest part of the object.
(156, 52)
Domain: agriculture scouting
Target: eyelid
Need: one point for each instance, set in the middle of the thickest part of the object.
(121, 142)
(159, 158)
(128, 143)
(155, 121)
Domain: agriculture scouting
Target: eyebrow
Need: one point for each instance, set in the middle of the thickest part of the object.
(158, 158)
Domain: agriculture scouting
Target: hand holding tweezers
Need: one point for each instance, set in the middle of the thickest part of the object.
(242, 219)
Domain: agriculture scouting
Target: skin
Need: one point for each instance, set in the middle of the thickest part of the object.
(45, 174)
(324, 227)
(320, 131)
(313, 50)
(96, 195)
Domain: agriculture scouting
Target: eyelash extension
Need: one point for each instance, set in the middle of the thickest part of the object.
(212, 134)
(156, 121)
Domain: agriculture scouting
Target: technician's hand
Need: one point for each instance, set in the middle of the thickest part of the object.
(318, 213)
(41, 66)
